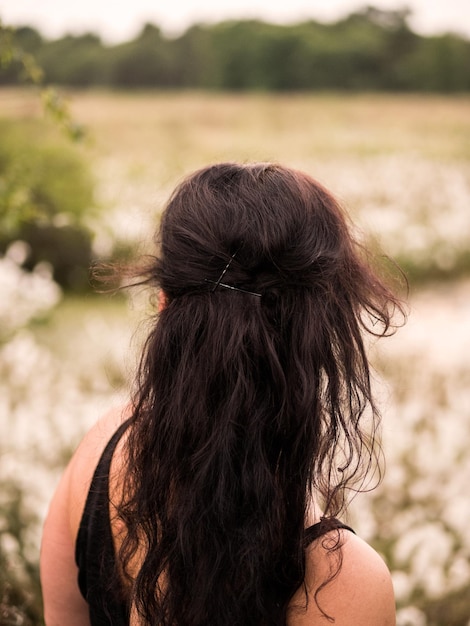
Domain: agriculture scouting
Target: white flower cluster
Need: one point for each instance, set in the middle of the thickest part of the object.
(47, 401)
(419, 516)
(23, 366)
(417, 207)
(25, 295)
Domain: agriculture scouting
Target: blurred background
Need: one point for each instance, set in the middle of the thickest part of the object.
(103, 112)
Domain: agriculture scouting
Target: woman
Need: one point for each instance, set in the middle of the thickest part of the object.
(211, 500)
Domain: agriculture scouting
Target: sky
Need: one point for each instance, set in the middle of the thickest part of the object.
(121, 20)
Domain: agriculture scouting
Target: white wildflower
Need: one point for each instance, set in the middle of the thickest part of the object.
(411, 616)
(24, 295)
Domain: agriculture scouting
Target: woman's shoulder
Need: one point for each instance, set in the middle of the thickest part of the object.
(95, 440)
(358, 589)
(79, 472)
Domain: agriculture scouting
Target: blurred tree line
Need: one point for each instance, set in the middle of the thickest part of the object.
(371, 49)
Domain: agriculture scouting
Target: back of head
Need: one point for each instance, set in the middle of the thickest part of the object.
(285, 229)
(250, 394)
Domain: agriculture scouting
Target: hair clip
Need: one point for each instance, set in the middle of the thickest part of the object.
(219, 282)
(225, 286)
(216, 284)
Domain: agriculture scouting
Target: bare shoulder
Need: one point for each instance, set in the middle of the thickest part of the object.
(361, 592)
(69, 498)
(79, 472)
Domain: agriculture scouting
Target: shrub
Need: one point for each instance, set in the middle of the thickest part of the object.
(46, 199)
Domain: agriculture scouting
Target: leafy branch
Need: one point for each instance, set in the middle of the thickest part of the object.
(55, 107)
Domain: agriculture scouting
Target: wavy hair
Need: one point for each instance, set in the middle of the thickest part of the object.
(249, 401)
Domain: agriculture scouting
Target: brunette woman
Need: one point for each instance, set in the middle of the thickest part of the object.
(212, 499)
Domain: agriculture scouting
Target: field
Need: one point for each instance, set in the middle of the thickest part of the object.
(401, 165)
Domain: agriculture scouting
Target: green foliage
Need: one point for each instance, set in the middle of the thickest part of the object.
(72, 60)
(16, 61)
(196, 64)
(46, 197)
(370, 49)
(438, 64)
(18, 64)
(146, 61)
(43, 179)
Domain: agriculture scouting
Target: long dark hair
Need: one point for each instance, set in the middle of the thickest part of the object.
(249, 400)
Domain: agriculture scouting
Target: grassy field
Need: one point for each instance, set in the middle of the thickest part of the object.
(401, 165)
(162, 136)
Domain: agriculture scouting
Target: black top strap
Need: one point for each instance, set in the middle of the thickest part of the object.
(94, 548)
(325, 525)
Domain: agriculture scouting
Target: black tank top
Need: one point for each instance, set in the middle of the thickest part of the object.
(94, 548)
